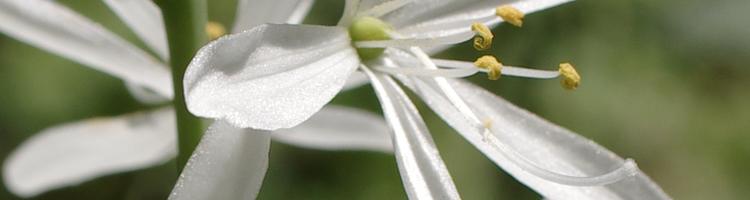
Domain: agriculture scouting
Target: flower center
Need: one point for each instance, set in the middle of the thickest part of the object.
(367, 29)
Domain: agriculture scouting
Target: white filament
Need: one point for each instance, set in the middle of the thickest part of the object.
(459, 69)
(418, 42)
(529, 73)
(450, 73)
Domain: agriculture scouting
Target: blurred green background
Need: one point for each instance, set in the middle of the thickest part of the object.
(664, 82)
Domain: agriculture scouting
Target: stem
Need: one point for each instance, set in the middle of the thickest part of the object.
(185, 22)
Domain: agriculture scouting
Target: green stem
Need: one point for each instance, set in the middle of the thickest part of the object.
(185, 22)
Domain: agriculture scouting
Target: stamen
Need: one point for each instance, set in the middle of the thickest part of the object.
(570, 78)
(418, 42)
(506, 70)
(492, 66)
(448, 73)
(215, 30)
(510, 15)
(483, 39)
(385, 8)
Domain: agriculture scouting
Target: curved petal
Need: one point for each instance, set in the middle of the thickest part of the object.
(270, 77)
(229, 163)
(145, 95)
(356, 80)
(425, 18)
(55, 28)
(251, 13)
(423, 172)
(72, 153)
(538, 141)
(339, 128)
(144, 18)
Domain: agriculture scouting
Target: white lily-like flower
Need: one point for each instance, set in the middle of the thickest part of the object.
(72, 153)
(277, 76)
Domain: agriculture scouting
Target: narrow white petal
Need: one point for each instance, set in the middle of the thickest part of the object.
(423, 172)
(383, 8)
(350, 10)
(229, 163)
(144, 18)
(270, 77)
(356, 80)
(300, 12)
(251, 13)
(434, 18)
(72, 153)
(541, 142)
(339, 128)
(57, 29)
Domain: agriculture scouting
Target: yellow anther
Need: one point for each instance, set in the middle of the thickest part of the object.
(510, 15)
(492, 66)
(215, 30)
(570, 78)
(487, 123)
(483, 38)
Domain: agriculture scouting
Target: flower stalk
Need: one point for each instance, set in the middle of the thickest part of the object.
(185, 22)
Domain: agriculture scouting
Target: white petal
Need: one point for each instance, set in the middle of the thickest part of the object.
(423, 172)
(72, 153)
(144, 18)
(251, 13)
(356, 80)
(270, 77)
(229, 163)
(430, 18)
(339, 128)
(145, 95)
(55, 28)
(538, 141)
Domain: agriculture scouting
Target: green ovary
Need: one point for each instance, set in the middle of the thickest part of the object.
(369, 28)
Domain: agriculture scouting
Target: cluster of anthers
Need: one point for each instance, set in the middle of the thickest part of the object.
(371, 37)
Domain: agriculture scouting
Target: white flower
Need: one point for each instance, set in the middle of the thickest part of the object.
(276, 76)
(72, 153)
